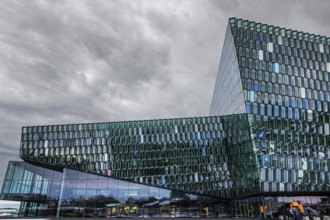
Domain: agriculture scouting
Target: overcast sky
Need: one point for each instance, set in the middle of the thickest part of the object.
(89, 61)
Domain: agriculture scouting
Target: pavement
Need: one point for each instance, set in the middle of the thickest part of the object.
(69, 218)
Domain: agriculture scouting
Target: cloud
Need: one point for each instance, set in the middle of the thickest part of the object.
(88, 61)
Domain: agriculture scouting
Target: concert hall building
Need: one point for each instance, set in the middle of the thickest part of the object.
(264, 147)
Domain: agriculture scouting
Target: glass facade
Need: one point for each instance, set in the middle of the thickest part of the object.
(186, 154)
(287, 94)
(72, 193)
(228, 95)
(264, 148)
(87, 195)
(36, 187)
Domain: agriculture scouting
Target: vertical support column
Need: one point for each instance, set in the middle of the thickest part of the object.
(61, 193)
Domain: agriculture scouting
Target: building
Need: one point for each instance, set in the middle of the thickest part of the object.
(264, 147)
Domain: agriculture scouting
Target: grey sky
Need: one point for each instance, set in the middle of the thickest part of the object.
(88, 61)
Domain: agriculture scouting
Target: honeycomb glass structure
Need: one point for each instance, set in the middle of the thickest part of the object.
(187, 154)
(286, 87)
(265, 147)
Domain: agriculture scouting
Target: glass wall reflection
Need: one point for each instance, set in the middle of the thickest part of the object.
(38, 188)
(45, 192)
(88, 195)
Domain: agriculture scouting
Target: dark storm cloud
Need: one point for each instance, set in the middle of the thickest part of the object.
(88, 61)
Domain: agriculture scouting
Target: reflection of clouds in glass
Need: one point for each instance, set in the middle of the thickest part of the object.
(9, 204)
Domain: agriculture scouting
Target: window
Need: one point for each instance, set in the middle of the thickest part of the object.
(261, 55)
(276, 67)
(251, 96)
(256, 86)
(270, 47)
(262, 109)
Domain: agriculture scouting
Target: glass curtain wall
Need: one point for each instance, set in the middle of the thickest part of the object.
(88, 195)
(183, 154)
(38, 188)
(287, 95)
